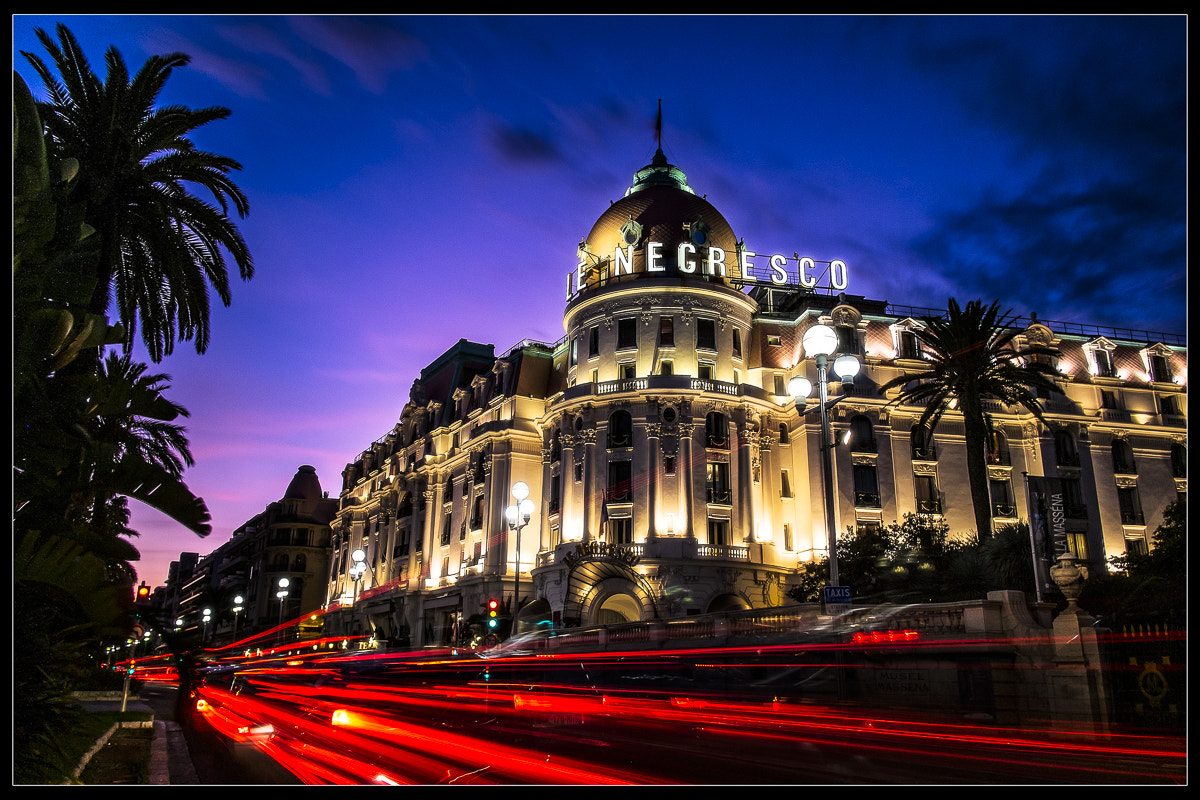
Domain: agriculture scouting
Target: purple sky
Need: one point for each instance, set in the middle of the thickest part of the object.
(416, 180)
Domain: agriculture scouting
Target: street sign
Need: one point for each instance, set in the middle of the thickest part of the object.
(837, 595)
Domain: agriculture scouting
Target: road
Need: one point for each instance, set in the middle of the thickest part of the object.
(215, 759)
(397, 724)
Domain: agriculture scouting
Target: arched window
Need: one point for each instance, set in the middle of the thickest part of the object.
(299, 563)
(862, 435)
(716, 430)
(997, 449)
(1122, 456)
(1065, 454)
(784, 435)
(922, 444)
(620, 429)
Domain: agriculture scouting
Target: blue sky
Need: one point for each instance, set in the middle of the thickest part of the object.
(416, 180)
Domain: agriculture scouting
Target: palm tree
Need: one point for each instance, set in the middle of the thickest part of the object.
(134, 448)
(161, 246)
(972, 360)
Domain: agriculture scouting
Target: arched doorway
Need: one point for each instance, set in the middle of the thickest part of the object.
(728, 602)
(603, 584)
(616, 608)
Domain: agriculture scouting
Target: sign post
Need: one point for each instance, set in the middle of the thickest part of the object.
(837, 599)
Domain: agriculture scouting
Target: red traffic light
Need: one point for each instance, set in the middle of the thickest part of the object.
(143, 592)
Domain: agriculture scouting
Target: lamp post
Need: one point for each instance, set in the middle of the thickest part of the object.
(820, 341)
(358, 568)
(518, 515)
(237, 609)
(207, 620)
(282, 595)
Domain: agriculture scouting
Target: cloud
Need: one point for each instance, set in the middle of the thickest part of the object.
(263, 41)
(240, 75)
(520, 146)
(1092, 221)
(372, 47)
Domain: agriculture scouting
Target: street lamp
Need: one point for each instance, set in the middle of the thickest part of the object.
(518, 515)
(820, 341)
(207, 619)
(237, 609)
(359, 557)
(282, 595)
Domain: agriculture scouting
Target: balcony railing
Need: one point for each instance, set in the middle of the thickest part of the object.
(618, 494)
(729, 551)
(927, 453)
(720, 496)
(867, 500)
(929, 506)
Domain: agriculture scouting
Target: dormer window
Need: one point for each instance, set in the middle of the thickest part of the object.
(847, 340)
(1158, 363)
(905, 340)
(1100, 358)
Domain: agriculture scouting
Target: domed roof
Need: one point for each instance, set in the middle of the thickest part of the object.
(659, 207)
(304, 486)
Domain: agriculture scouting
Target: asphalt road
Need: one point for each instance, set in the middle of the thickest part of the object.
(215, 760)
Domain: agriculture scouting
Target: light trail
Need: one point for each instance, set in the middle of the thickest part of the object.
(594, 718)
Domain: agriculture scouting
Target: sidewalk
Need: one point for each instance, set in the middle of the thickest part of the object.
(170, 761)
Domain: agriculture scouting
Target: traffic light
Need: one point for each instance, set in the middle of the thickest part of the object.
(493, 608)
(143, 593)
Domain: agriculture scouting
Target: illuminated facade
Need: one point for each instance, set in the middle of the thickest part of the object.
(671, 473)
(288, 540)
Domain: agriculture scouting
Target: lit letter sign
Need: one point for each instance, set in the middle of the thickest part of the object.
(778, 276)
(685, 263)
(688, 259)
(623, 260)
(654, 257)
(804, 265)
(837, 274)
(748, 266)
(716, 258)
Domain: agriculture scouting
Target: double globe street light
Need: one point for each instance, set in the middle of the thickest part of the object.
(821, 341)
(359, 557)
(518, 515)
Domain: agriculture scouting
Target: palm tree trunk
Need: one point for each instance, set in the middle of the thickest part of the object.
(977, 476)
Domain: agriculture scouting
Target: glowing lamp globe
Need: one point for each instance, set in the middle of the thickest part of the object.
(846, 368)
(820, 340)
(799, 387)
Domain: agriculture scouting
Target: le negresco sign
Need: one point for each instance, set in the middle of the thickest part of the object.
(713, 261)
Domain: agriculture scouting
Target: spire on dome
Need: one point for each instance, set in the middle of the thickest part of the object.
(659, 172)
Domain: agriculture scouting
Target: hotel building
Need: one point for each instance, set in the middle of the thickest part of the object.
(669, 472)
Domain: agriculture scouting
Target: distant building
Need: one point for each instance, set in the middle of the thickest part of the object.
(669, 470)
(289, 540)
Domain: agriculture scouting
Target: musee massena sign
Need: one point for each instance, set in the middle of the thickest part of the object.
(712, 261)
